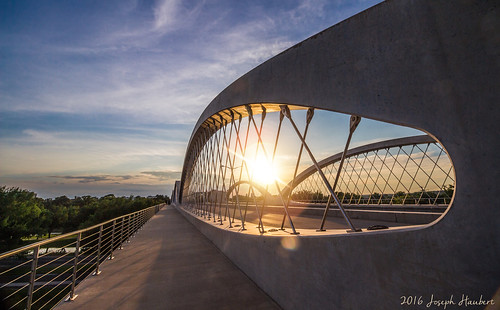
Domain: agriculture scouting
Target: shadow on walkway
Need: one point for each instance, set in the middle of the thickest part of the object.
(169, 264)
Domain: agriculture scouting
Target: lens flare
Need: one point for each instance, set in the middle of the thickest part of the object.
(262, 170)
(290, 243)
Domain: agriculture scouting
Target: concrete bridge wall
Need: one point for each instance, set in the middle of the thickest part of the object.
(430, 65)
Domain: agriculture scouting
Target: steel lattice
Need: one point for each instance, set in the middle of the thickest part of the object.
(223, 181)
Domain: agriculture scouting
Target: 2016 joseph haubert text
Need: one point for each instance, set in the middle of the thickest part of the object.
(434, 301)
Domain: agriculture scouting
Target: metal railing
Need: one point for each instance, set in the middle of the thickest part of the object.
(406, 171)
(40, 275)
(220, 180)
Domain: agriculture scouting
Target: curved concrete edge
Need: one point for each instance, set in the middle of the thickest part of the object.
(346, 271)
(430, 65)
(330, 232)
(394, 216)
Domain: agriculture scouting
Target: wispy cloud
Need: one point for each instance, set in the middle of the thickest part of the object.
(144, 177)
(307, 9)
(172, 15)
(165, 13)
(53, 186)
(204, 63)
(139, 62)
(147, 177)
(95, 178)
(40, 151)
(164, 175)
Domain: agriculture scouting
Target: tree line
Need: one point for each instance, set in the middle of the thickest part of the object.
(442, 196)
(24, 215)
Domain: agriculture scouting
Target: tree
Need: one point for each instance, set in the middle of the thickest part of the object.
(57, 215)
(21, 215)
(309, 196)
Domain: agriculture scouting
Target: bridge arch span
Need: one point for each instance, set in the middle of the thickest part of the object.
(428, 65)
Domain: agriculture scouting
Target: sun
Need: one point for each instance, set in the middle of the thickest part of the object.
(262, 170)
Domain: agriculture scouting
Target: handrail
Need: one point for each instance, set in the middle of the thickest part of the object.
(43, 242)
(42, 280)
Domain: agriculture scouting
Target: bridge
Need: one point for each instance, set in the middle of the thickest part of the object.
(296, 201)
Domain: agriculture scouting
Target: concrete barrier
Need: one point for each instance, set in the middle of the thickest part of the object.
(387, 214)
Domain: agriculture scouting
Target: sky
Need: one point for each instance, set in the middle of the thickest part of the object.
(101, 97)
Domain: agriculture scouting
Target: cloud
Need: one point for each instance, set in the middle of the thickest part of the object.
(132, 64)
(164, 175)
(165, 61)
(158, 178)
(80, 151)
(147, 71)
(71, 186)
(173, 15)
(91, 179)
(307, 9)
(165, 13)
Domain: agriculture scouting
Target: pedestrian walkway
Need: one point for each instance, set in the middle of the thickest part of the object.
(169, 264)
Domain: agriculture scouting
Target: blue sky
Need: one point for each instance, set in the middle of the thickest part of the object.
(100, 97)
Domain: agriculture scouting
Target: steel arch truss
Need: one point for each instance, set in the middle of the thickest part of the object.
(226, 154)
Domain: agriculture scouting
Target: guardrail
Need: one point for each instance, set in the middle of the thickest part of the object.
(40, 275)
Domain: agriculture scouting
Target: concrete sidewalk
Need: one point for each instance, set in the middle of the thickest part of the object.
(169, 264)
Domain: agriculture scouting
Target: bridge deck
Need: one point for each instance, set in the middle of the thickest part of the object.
(169, 265)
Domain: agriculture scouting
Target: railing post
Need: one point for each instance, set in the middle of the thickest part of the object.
(97, 271)
(112, 240)
(141, 219)
(72, 295)
(37, 281)
(121, 233)
(131, 228)
(133, 218)
(34, 265)
(134, 226)
(128, 227)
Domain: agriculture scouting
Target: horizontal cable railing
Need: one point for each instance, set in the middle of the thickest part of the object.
(40, 275)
